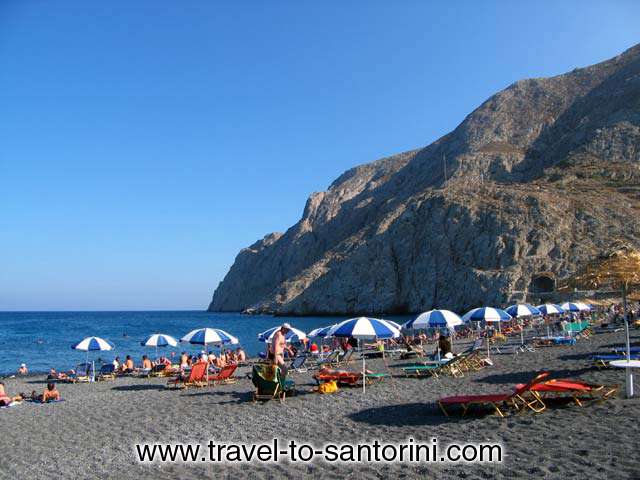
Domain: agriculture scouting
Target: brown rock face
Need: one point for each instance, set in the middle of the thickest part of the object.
(542, 176)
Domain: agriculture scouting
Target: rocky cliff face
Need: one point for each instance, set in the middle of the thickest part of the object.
(542, 176)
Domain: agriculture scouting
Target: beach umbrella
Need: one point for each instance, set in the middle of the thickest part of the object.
(523, 310)
(433, 319)
(92, 344)
(574, 307)
(550, 309)
(209, 336)
(159, 340)
(395, 324)
(585, 306)
(363, 328)
(293, 335)
(320, 333)
(487, 315)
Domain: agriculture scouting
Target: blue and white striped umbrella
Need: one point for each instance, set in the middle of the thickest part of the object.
(550, 309)
(159, 340)
(434, 319)
(395, 324)
(486, 314)
(293, 335)
(523, 310)
(574, 307)
(209, 336)
(92, 344)
(365, 328)
(320, 332)
(585, 305)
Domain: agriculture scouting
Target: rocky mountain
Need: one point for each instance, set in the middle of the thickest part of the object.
(542, 176)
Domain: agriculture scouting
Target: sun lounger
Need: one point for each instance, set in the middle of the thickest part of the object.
(225, 375)
(330, 359)
(270, 383)
(83, 373)
(196, 377)
(575, 389)
(344, 377)
(421, 370)
(345, 358)
(106, 372)
(522, 397)
(297, 364)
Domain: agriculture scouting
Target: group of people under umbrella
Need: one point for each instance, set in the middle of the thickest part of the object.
(360, 328)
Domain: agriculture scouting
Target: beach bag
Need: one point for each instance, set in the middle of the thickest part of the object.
(328, 387)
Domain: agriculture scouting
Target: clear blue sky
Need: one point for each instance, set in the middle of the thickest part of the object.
(143, 144)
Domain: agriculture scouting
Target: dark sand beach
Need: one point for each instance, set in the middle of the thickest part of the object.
(92, 433)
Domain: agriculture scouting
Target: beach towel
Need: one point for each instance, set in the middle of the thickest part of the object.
(328, 387)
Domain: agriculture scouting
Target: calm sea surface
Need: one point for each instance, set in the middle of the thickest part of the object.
(43, 339)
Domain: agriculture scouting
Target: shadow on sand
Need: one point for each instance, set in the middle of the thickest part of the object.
(410, 414)
(139, 388)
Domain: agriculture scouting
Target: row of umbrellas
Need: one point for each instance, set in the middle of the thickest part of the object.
(356, 327)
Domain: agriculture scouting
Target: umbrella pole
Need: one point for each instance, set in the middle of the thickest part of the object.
(364, 375)
(629, 376)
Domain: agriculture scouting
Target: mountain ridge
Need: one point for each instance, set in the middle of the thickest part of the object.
(401, 235)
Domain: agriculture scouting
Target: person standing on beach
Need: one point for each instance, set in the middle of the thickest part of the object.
(279, 345)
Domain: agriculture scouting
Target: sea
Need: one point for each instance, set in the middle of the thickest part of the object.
(43, 340)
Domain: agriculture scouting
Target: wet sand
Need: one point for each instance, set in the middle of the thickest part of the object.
(92, 433)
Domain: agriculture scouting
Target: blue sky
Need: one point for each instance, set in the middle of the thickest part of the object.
(143, 144)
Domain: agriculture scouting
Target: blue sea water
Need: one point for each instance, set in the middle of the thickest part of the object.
(43, 339)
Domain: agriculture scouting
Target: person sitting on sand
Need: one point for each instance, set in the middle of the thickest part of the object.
(128, 366)
(444, 345)
(146, 363)
(50, 394)
(23, 370)
(116, 364)
(6, 400)
(240, 355)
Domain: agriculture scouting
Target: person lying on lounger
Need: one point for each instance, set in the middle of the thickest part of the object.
(55, 375)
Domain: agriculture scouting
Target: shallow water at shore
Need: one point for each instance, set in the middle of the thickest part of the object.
(43, 339)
